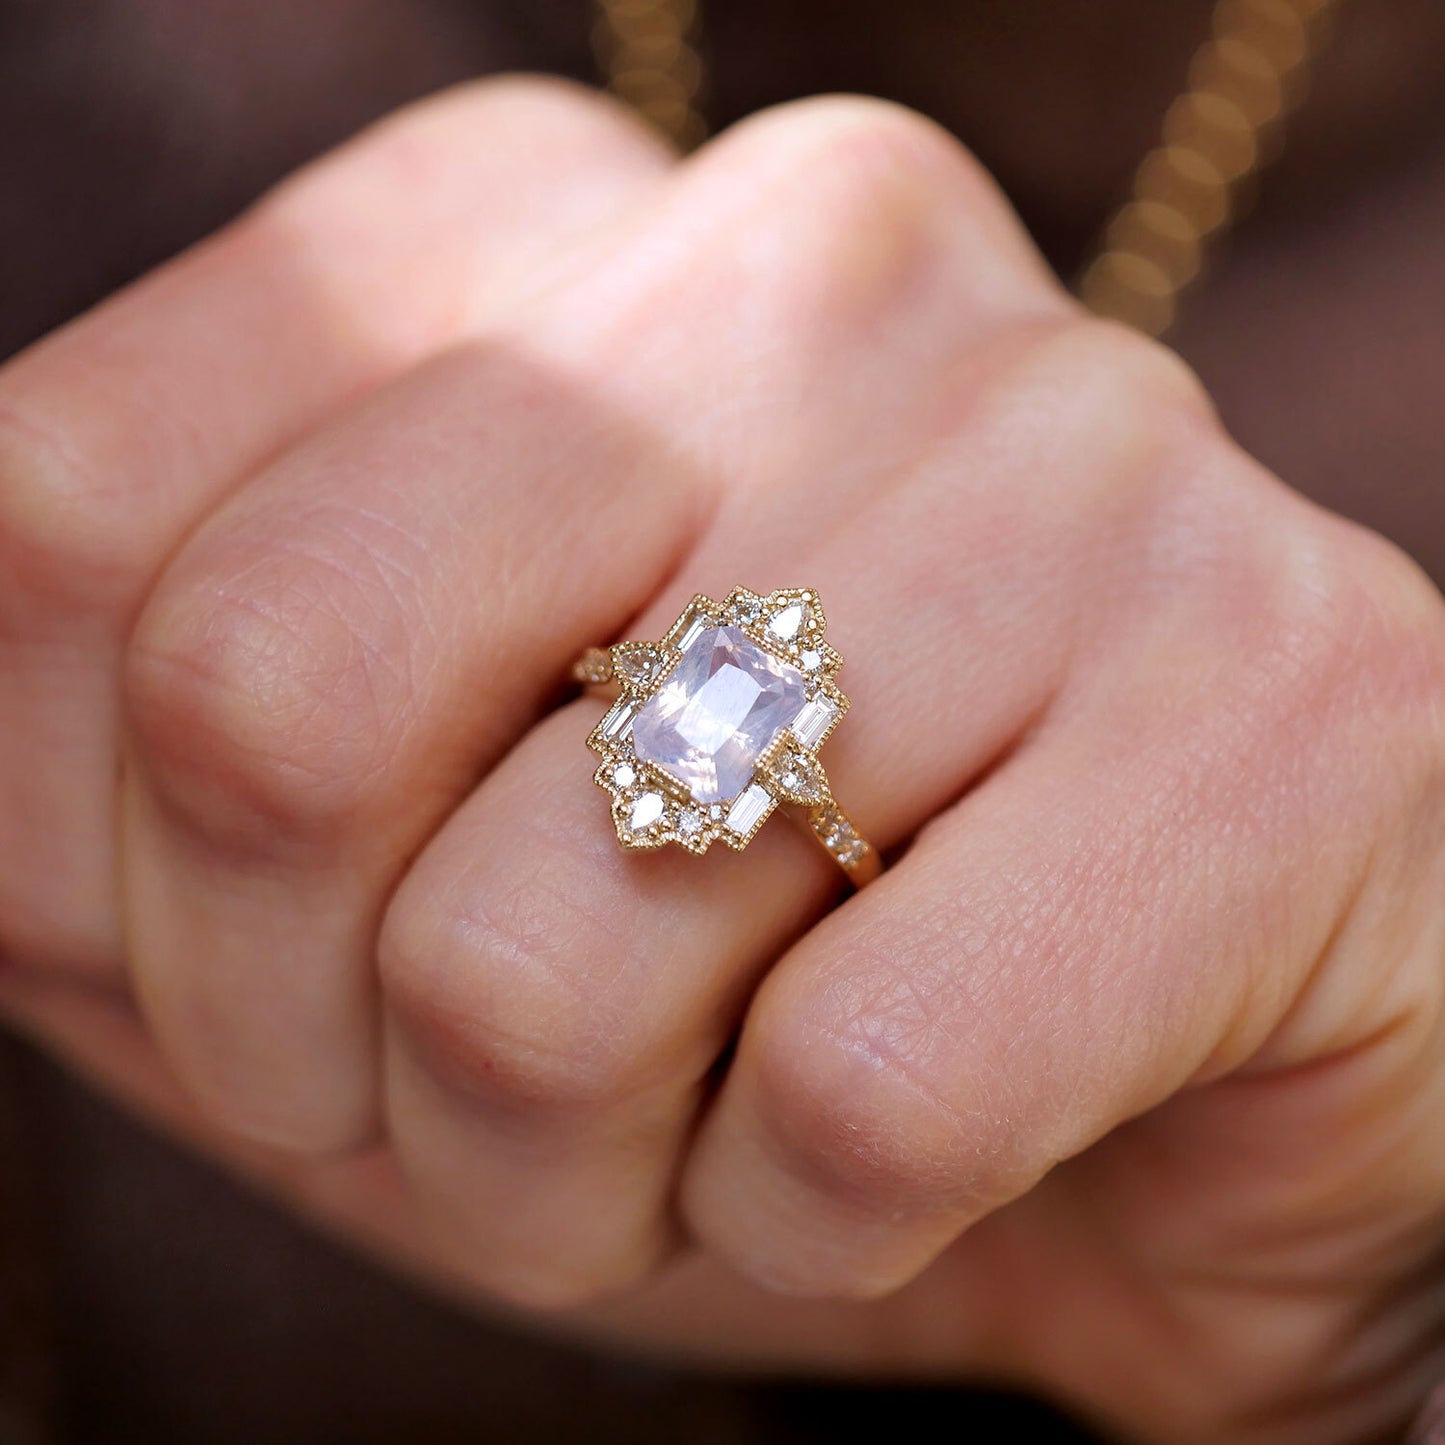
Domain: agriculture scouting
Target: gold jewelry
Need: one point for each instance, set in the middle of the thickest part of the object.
(1243, 82)
(720, 722)
(1227, 123)
(648, 51)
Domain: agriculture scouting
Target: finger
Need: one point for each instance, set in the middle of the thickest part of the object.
(557, 995)
(322, 673)
(1115, 915)
(327, 667)
(121, 430)
(556, 1007)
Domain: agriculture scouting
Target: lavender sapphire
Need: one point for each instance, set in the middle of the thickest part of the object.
(717, 712)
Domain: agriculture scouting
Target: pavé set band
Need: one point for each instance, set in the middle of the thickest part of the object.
(721, 721)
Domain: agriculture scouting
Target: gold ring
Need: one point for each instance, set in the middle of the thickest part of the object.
(720, 722)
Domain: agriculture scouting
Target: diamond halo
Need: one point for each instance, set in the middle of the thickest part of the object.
(720, 722)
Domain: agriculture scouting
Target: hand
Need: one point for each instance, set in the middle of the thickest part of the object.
(1123, 1082)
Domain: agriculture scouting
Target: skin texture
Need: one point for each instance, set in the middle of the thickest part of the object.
(1123, 1081)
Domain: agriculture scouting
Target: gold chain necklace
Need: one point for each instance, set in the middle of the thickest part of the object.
(1224, 126)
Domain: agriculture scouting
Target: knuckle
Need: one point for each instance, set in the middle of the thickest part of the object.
(1131, 431)
(428, 139)
(1134, 366)
(428, 161)
(498, 999)
(1110, 385)
(864, 203)
(1361, 622)
(266, 706)
(833, 218)
(548, 109)
(866, 1124)
(859, 154)
(863, 151)
(1335, 644)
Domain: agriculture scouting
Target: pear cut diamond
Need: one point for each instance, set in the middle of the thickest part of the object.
(787, 622)
(799, 778)
(646, 811)
(717, 713)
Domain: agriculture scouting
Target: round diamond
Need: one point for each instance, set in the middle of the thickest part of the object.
(624, 775)
(689, 825)
(638, 667)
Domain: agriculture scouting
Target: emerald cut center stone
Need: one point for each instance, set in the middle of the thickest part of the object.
(717, 713)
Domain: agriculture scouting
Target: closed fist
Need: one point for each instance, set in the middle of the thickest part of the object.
(1123, 1082)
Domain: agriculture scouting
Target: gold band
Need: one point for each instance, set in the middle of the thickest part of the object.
(665, 789)
(844, 844)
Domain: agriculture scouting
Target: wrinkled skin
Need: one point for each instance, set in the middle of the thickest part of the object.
(1123, 1082)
